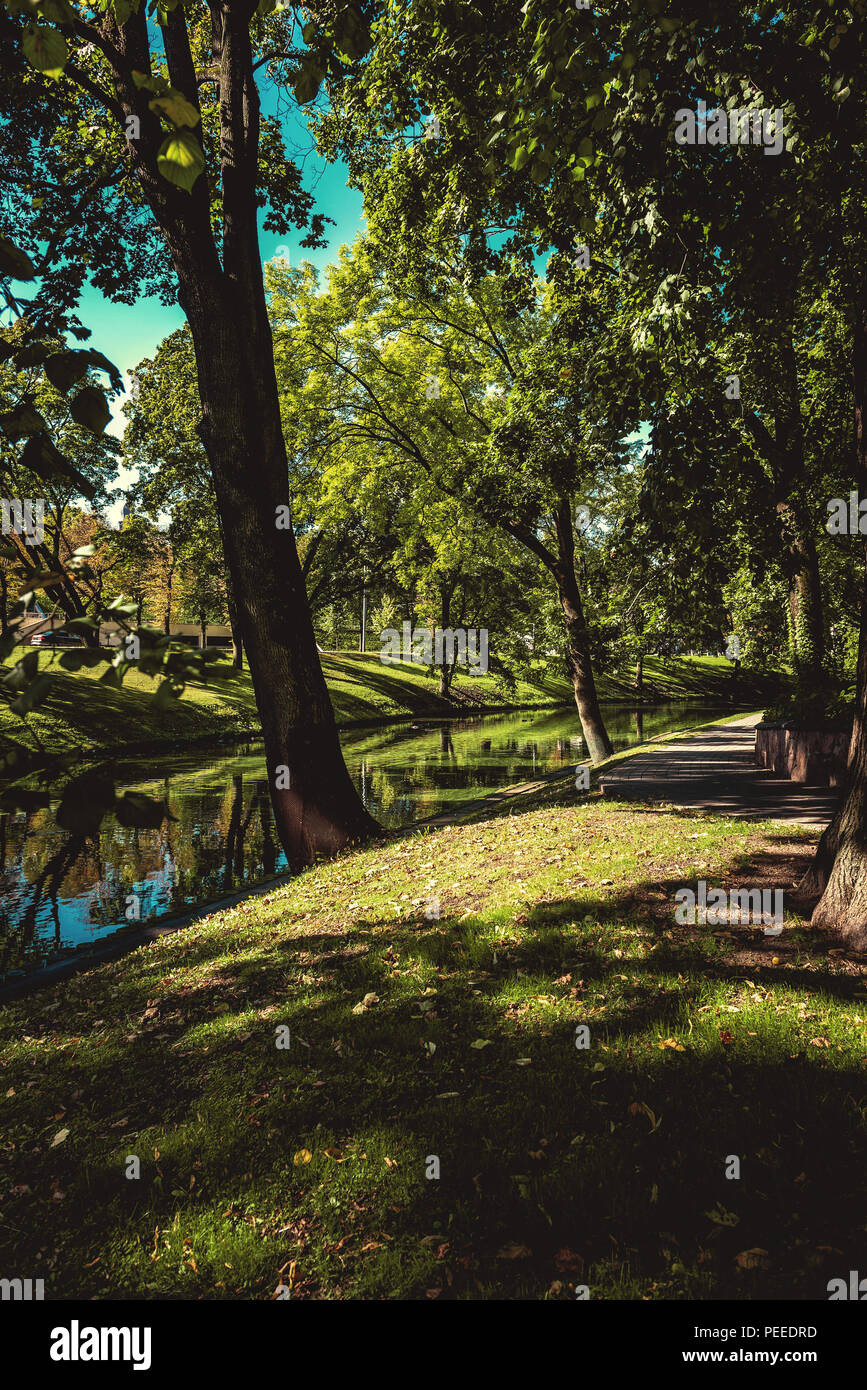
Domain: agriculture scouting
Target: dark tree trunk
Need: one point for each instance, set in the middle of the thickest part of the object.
(447, 668)
(4, 603)
(639, 674)
(167, 619)
(839, 869)
(316, 807)
(599, 744)
(237, 639)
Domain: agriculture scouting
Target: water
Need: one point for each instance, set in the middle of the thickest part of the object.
(59, 897)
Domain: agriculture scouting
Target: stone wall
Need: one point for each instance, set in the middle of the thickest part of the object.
(804, 755)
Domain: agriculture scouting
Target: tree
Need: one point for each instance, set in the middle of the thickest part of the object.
(514, 421)
(499, 80)
(202, 196)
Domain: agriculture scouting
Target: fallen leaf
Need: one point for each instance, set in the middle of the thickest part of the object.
(302, 1156)
(59, 1137)
(750, 1259)
(638, 1107)
(481, 1042)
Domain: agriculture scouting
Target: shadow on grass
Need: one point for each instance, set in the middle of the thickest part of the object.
(557, 1164)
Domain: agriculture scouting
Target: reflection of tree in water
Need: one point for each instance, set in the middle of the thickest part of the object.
(54, 890)
(220, 838)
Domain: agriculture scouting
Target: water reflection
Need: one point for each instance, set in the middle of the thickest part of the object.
(62, 892)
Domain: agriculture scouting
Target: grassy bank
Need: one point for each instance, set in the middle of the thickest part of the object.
(361, 687)
(413, 1038)
(82, 712)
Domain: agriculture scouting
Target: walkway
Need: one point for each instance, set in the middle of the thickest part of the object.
(714, 770)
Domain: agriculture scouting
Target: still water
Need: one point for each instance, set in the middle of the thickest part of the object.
(57, 897)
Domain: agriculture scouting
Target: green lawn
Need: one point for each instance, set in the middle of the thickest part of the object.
(362, 689)
(413, 1038)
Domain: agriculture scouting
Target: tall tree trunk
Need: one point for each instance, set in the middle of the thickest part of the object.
(839, 869)
(237, 639)
(578, 643)
(639, 674)
(167, 619)
(447, 668)
(316, 807)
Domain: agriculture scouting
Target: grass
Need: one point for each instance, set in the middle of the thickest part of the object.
(304, 1168)
(362, 690)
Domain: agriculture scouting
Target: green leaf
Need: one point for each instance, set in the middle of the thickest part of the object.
(308, 82)
(90, 409)
(175, 105)
(63, 369)
(166, 694)
(102, 363)
(82, 656)
(180, 159)
(42, 457)
(23, 672)
(146, 81)
(45, 49)
(76, 625)
(32, 354)
(57, 11)
(14, 263)
(32, 696)
(23, 421)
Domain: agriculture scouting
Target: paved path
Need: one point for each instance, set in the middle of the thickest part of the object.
(714, 770)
